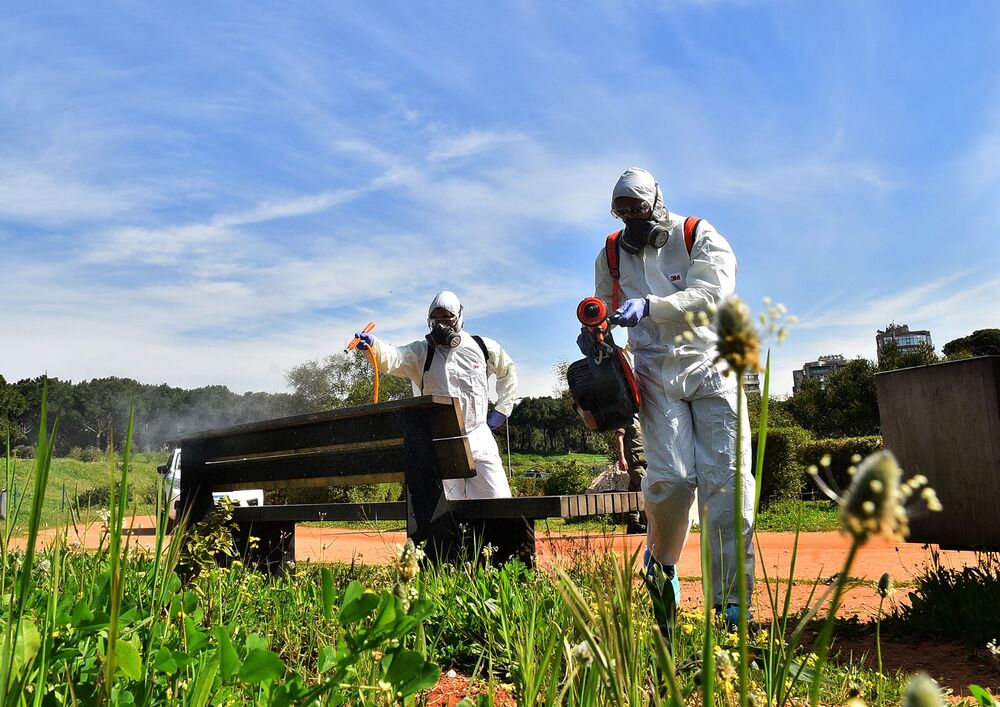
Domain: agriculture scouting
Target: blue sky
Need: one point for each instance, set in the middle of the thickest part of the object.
(200, 193)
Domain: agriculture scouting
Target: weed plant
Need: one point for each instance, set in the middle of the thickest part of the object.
(957, 604)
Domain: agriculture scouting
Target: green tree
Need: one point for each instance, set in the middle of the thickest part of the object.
(12, 404)
(342, 380)
(981, 342)
(844, 404)
(892, 357)
(777, 411)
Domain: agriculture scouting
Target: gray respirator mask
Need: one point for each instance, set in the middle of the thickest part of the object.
(639, 234)
(443, 334)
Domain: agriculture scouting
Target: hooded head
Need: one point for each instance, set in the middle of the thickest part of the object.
(637, 183)
(444, 318)
(637, 201)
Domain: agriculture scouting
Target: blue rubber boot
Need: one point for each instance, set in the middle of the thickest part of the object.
(665, 593)
(731, 616)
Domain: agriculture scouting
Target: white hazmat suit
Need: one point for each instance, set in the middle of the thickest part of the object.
(461, 372)
(688, 412)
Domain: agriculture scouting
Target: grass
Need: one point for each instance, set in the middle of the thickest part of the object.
(70, 479)
(523, 461)
(808, 516)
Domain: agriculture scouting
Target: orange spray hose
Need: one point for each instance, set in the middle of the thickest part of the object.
(371, 354)
(371, 357)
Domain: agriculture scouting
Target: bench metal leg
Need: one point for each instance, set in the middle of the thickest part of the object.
(274, 548)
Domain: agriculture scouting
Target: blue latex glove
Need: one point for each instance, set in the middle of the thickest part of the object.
(632, 311)
(366, 340)
(495, 420)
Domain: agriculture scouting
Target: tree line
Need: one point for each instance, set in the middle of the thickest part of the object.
(93, 413)
(845, 404)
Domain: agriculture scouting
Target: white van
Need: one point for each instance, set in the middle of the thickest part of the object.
(171, 472)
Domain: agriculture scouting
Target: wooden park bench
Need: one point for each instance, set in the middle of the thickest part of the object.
(418, 441)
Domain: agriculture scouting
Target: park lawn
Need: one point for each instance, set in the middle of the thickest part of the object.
(807, 516)
(523, 461)
(87, 482)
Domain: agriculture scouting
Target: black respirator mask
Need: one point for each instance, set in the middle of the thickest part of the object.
(640, 233)
(443, 334)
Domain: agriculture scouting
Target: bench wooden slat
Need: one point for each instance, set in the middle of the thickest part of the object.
(389, 408)
(313, 435)
(543, 506)
(340, 467)
(318, 512)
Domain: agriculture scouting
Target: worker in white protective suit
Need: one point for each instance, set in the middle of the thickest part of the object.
(450, 361)
(688, 413)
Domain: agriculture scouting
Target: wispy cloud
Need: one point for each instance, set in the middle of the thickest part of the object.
(50, 199)
(471, 143)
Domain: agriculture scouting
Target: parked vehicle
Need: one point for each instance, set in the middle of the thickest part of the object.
(534, 474)
(171, 472)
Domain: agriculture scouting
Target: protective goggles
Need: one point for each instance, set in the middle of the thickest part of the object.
(449, 319)
(639, 210)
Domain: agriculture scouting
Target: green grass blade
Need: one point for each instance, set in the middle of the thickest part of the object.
(758, 466)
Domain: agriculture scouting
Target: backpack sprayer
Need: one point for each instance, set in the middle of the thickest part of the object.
(371, 354)
(602, 384)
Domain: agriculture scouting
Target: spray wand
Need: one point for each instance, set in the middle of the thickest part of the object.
(371, 354)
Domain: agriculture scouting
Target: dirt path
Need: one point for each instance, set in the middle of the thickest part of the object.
(819, 556)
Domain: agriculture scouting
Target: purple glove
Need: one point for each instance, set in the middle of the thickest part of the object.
(495, 420)
(632, 311)
(366, 340)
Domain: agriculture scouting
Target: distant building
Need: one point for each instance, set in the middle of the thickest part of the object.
(817, 370)
(904, 339)
(751, 383)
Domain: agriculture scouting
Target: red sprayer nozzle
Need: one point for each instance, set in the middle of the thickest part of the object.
(591, 311)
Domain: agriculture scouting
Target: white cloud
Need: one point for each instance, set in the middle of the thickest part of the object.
(48, 199)
(470, 143)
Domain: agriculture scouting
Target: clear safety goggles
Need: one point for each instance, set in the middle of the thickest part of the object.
(639, 210)
(449, 319)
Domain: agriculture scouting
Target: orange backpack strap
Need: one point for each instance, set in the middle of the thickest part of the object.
(611, 253)
(690, 228)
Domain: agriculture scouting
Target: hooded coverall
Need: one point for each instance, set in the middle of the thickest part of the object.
(688, 413)
(461, 373)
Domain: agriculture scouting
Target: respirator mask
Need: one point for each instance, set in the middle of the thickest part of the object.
(443, 334)
(639, 234)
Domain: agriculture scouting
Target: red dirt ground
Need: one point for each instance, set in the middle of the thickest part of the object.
(819, 556)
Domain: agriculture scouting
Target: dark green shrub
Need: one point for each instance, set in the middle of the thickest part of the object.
(87, 454)
(522, 486)
(96, 497)
(840, 449)
(957, 604)
(568, 478)
(783, 470)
